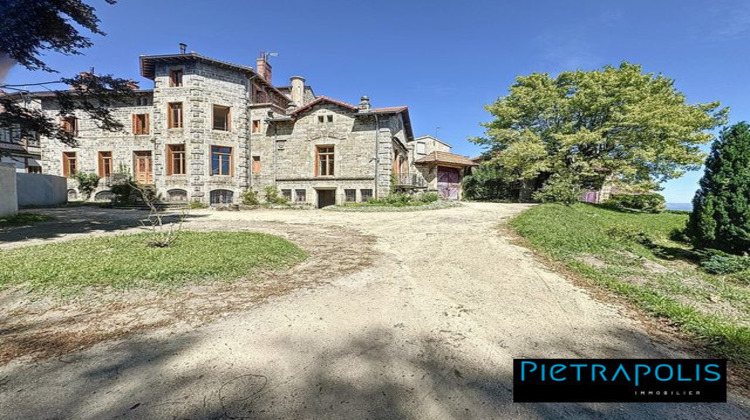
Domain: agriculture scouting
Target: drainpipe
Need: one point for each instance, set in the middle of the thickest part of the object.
(377, 153)
(249, 163)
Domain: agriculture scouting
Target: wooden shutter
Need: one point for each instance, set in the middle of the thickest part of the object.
(147, 124)
(169, 160)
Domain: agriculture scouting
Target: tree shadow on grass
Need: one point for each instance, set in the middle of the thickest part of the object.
(81, 221)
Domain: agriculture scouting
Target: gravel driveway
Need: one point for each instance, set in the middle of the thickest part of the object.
(428, 330)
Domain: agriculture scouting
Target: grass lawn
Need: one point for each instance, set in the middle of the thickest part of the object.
(125, 261)
(632, 255)
(23, 219)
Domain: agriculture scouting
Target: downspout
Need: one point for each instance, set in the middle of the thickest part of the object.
(377, 153)
(249, 126)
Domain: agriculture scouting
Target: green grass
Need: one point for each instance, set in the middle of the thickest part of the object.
(126, 261)
(714, 310)
(23, 219)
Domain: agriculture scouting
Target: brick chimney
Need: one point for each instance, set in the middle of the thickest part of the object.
(298, 90)
(263, 67)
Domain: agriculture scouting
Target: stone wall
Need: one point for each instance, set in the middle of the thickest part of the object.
(8, 196)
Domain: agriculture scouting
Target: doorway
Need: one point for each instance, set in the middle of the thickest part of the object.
(326, 198)
(143, 167)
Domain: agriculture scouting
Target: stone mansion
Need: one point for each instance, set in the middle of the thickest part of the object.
(209, 130)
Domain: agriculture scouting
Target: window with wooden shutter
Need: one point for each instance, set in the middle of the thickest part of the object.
(70, 125)
(105, 164)
(256, 164)
(324, 161)
(141, 124)
(176, 160)
(69, 164)
(175, 78)
(175, 115)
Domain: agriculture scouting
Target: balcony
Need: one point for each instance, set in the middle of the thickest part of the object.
(409, 180)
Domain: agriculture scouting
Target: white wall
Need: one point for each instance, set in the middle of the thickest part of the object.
(8, 196)
(41, 189)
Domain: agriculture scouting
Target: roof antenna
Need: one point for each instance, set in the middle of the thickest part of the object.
(183, 47)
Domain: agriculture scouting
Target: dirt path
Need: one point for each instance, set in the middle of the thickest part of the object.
(429, 330)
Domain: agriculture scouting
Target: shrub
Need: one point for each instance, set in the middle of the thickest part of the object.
(628, 233)
(127, 191)
(488, 182)
(274, 197)
(198, 205)
(559, 189)
(651, 203)
(428, 197)
(87, 183)
(249, 198)
(717, 262)
(721, 208)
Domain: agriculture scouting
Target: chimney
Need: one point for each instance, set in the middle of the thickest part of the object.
(263, 67)
(364, 103)
(298, 90)
(183, 47)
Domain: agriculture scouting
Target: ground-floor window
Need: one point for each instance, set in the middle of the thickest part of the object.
(301, 195)
(177, 195)
(287, 194)
(34, 169)
(350, 196)
(366, 194)
(221, 197)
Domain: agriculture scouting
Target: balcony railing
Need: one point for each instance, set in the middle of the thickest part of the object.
(409, 179)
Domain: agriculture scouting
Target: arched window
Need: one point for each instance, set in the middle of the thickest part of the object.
(72, 194)
(219, 197)
(177, 195)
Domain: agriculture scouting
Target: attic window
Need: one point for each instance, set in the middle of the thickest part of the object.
(321, 119)
(175, 78)
(330, 118)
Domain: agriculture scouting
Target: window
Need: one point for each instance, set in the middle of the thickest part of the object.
(34, 169)
(177, 195)
(324, 161)
(175, 115)
(221, 118)
(221, 197)
(350, 196)
(287, 194)
(69, 164)
(175, 78)
(320, 118)
(256, 164)
(329, 118)
(420, 148)
(256, 126)
(70, 125)
(221, 160)
(366, 194)
(141, 101)
(176, 162)
(140, 124)
(301, 195)
(105, 164)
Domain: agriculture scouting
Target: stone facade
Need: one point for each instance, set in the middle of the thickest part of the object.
(274, 135)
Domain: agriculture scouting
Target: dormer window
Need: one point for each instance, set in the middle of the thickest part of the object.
(175, 78)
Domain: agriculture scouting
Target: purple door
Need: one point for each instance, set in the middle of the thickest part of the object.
(449, 182)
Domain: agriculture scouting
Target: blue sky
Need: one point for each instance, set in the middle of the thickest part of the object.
(445, 59)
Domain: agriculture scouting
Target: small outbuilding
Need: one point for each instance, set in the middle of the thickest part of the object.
(444, 172)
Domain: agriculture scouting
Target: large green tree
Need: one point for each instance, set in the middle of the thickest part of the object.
(28, 29)
(616, 124)
(721, 207)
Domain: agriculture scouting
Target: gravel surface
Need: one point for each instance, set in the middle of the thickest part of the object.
(427, 328)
